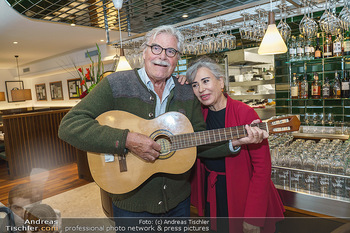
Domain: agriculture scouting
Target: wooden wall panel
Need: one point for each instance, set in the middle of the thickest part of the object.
(31, 141)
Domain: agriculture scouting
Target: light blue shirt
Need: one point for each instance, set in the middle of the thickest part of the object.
(161, 104)
(169, 85)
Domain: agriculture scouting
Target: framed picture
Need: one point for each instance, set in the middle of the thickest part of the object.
(56, 90)
(40, 90)
(74, 90)
(12, 85)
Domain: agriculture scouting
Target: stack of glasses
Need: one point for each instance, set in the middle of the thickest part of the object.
(321, 168)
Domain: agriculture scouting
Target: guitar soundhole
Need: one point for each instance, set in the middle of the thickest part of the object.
(162, 138)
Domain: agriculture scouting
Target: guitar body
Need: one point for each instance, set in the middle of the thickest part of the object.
(108, 175)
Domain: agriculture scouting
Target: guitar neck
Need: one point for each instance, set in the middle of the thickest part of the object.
(182, 141)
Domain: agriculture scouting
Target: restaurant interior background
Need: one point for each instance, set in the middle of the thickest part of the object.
(52, 37)
(48, 46)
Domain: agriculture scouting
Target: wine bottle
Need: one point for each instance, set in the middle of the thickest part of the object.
(292, 49)
(337, 50)
(304, 88)
(300, 48)
(346, 43)
(345, 85)
(336, 91)
(294, 88)
(316, 87)
(318, 50)
(326, 89)
(327, 47)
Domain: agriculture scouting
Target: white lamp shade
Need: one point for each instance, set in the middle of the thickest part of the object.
(272, 43)
(118, 4)
(123, 64)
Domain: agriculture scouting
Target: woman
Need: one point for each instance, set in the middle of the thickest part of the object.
(244, 190)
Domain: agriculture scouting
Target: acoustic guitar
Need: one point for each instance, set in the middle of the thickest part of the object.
(173, 131)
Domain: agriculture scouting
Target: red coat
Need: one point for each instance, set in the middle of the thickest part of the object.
(251, 195)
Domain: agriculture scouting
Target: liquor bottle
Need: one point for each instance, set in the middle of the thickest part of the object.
(336, 91)
(307, 49)
(318, 50)
(312, 49)
(294, 88)
(316, 87)
(345, 85)
(292, 49)
(337, 49)
(300, 48)
(327, 47)
(326, 89)
(346, 42)
(304, 88)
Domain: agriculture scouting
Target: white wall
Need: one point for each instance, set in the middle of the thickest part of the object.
(58, 68)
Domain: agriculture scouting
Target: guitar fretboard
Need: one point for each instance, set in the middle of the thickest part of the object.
(182, 141)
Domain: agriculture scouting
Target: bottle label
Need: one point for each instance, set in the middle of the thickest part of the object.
(345, 86)
(304, 90)
(346, 45)
(300, 50)
(327, 54)
(294, 91)
(307, 49)
(318, 53)
(315, 90)
(325, 92)
(337, 47)
(292, 51)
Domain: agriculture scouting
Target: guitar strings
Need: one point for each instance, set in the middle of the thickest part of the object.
(209, 136)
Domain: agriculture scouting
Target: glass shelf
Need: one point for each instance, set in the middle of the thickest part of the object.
(318, 60)
(325, 67)
(252, 97)
(301, 198)
(251, 83)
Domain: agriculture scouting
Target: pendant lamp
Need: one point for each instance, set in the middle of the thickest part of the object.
(20, 94)
(272, 42)
(123, 63)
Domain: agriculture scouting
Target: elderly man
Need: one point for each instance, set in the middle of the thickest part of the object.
(147, 93)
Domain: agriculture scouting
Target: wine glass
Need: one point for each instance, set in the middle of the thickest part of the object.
(329, 22)
(282, 26)
(308, 26)
(330, 121)
(315, 120)
(322, 121)
(307, 122)
(344, 16)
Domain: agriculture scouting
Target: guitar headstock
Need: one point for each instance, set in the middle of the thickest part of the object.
(283, 124)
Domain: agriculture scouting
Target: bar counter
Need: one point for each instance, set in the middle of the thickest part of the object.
(32, 141)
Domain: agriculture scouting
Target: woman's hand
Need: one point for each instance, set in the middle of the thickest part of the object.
(181, 79)
(255, 135)
(249, 228)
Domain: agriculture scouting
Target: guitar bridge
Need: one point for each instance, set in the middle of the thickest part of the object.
(122, 163)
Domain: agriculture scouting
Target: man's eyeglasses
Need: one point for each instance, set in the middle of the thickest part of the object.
(157, 49)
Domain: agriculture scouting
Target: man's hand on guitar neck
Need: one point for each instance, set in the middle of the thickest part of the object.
(142, 146)
(255, 135)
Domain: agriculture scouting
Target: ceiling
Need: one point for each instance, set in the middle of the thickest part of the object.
(43, 28)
